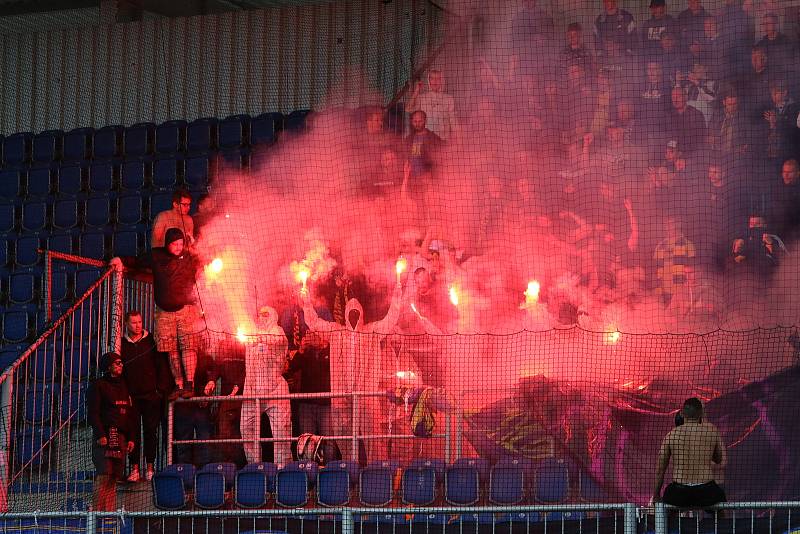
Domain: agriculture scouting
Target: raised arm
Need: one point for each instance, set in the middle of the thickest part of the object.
(314, 322)
(661, 468)
(387, 324)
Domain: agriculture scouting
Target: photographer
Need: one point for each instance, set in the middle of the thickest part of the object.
(693, 446)
(111, 414)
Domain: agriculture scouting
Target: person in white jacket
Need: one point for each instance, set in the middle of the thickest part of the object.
(355, 362)
(265, 361)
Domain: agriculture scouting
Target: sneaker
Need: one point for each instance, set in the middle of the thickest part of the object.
(188, 391)
(149, 473)
(134, 474)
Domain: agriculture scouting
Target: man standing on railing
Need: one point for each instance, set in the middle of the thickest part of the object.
(110, 412)
(148, 378)
(177, 320)
(265, 363)
(178, 217)
(694, 446)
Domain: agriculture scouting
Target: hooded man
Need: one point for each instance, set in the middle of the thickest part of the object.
(177, 320)
(265, 362)
(110, 413)
(355, 362)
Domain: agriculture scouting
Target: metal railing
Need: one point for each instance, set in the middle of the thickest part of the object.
(354, 437)
(727, 517)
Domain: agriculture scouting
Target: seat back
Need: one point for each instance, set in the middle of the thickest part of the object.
(209, 489)
(226, 469)
(169, 491)
(269, 468)
(552, 481)
(419, 486)
(375, 486)
(462, 485)
(185, 471)
(251, 489)
(506, 484)
(333, 487)
(291, 488)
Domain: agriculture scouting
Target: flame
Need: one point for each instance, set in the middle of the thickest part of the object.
(613, 336)
(532, 292)
(411, 375)
(216, 266)
(302, 276)
(401, 266)
(240, 335)
(453, 296)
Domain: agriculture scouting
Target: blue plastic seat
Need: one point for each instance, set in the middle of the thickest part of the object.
(264, 128)
(201, 134)
(333, 486)
(62, 242)
(65, 214)
(437, 464)
(419, 486)
(34, 216)
(133, 175)
(47, 146)
(77, 144)
(39, 403)
(107, 141)
(170, 137)
(69, 181)
(375, 484)
(209, 489)
(185, 471)
(291, 488)
(165, 173)
(481, 464)
(92, 245)
(309, 468)
(233, 131)
(27, 251)
(17, 149)
(590, 489)
(3, 256)
(38, 182)
(138, 139)
(507, 483)
(129, 210)
(32, 447)
(77, 358)
(169, 492)
(42, 366)
(59, 286)
(73, 402)
(125, 243)
(296, 120)
(8, 217)
(197, 172)
(15, 326)
(251, 489)
(269, 468)
(160, 202)
(98, 212)
(552, 481)
(10, 184)
(8, 355)
(461, 485)
(101, 177)
(21, 288)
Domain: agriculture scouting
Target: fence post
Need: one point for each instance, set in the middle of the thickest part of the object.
(355, 427)
(347, 522)
(6, 390)
(91, 520)
(630, 518)
(661, 518)
(47, 290)
(115, 312)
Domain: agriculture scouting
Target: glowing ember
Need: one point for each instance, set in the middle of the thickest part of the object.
(453, 296)
(532, 293)
(613, 336)
(411, 375)
(302, 276)
(216, 266)
(240, 335)
(401, 266)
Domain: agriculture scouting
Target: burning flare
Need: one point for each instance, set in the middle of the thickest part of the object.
(453, 296)
(400, 267)
(613, 336)
(532, 292)
(216, 266)
(240, 335)
(302, 276)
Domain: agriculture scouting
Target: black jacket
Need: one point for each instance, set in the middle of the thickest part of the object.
(146, 371)
(109, 404)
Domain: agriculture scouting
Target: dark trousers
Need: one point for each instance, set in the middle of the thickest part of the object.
(151, 411)
(192, 421)
(701, 496)
(228, 419)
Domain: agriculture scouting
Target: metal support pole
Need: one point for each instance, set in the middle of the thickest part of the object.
(448, 454)
(257, 435)
(354, 419)
(6, 390)
(115, 312)
(170, 415)
(347, 522)
(630, 518)
(91, 522)
(47, 290)
(661, 518)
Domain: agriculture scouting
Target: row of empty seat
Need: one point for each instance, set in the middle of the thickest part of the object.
(424, 482)
(145, 139)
